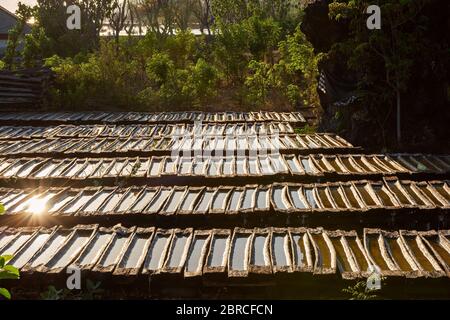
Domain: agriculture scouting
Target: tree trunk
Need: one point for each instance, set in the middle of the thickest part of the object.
(399, 134)
(117, 39)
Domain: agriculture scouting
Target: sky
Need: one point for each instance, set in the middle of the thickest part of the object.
(11, 5)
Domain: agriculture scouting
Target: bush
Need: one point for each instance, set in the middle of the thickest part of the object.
(7, 272)
(177, 70)
(181, 48)
(230, 51)
(236, 44)
(203, 81)
(293, 94)
(160, 69)
(259, 82)
(36, 46)
(166, 81)
(185, 87)
(102, 78)
(298, 69)
(263, 36)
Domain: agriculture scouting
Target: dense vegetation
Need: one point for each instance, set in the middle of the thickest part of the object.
(251, 54)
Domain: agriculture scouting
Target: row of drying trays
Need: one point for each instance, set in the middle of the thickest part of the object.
(214, 167)
(141, 130)
(180, 144)
(181, 200)
(234, 253)
(151, 117)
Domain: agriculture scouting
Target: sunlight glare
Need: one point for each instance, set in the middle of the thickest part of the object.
(37, 205)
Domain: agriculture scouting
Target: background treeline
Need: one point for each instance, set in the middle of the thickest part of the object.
(247, 54)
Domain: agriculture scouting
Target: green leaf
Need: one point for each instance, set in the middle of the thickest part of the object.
(7, 257)
(2, 209)
(5, 293)
(12, 270)
(6, 275)
(4, 259)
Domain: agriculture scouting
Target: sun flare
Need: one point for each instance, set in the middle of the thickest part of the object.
(37, 205)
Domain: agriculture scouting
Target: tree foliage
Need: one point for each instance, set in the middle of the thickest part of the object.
(51, 16)
(15, 36)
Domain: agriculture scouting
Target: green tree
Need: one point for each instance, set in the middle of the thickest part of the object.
(51, 16)
(231, 11)
(37, 46)
(298, 69)
(263, 37)
(231, 51)
(24, 13)
(202, 81)
(236, 44)
(259, 82)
